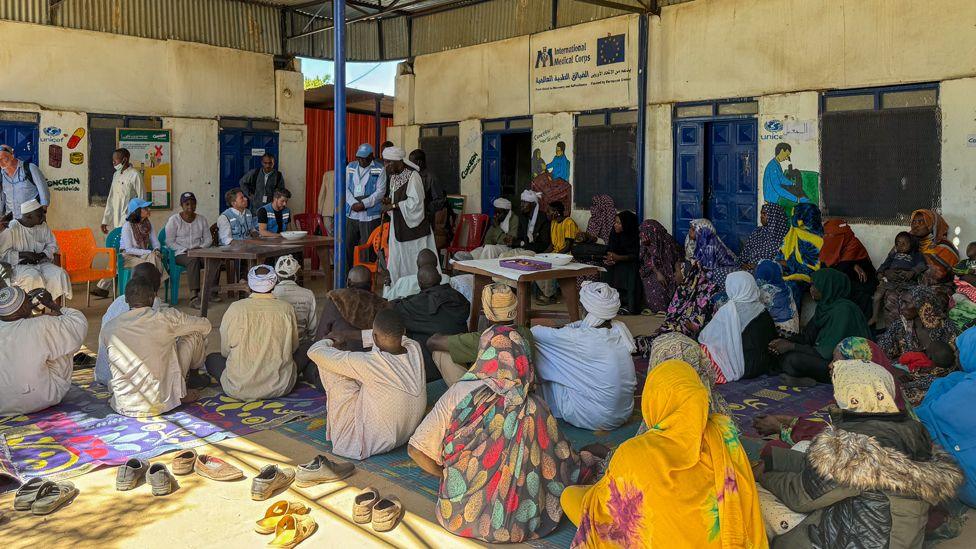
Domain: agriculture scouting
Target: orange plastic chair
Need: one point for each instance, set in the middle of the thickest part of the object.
(311, 222)
(379, 241)
(469, 234)
(78, 252)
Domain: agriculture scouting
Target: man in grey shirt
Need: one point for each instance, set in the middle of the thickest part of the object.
(21, 182)
(261, 183)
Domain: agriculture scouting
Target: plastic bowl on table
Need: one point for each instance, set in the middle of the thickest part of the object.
(294, 235)
(557, 260)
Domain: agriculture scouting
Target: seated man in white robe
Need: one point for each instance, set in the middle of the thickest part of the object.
(302, 299)
(376, 398)
(36, 351)
(148, 271)
(258, 340)
(152, 353)
(28, 245)
(406, 286)
(499, 236)
(585, 368)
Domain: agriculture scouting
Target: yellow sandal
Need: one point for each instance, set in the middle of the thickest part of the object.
(276, 512)
(292, 530)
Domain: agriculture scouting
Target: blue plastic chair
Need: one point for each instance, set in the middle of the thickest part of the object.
(113, 240)
(174, 269)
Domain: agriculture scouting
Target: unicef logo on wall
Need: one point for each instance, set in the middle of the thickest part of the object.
(773, 126)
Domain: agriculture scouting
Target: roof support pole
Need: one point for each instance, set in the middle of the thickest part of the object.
(339, 110)
(377, 120)
(642, 39)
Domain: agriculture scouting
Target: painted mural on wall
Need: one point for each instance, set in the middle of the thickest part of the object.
(558, 167)
(783, 183)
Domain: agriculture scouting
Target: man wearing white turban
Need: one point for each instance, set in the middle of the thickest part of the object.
(499, 237)
(28, 245)
(36, 351)
(258, 338)
(585, 368)
(533, 236)
(410, 229)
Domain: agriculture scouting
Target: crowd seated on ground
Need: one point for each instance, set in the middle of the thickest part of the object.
(496, 438)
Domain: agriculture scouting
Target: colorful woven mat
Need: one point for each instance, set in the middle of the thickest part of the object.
(84, 433)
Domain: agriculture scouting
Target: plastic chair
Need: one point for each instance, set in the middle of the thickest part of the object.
(174, 269)
(114, 240)
(311, 222)
(469, 234)
(378, 241)
(78, 251)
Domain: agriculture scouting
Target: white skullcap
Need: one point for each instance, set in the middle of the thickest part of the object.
(502, 203)
(600, 300)
(286, 266)
(393, 153)
(11, 299)
(528, 195)
(261, 283)
(30, 206)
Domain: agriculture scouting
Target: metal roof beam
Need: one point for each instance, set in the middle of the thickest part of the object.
(617, 5)
(395, 7)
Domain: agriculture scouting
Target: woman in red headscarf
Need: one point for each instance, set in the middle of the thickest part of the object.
(843, 251)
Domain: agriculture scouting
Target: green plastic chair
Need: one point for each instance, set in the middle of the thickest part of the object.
(174, 269)
(114, 240)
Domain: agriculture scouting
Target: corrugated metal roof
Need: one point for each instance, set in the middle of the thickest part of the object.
(27, 11)
(384, 30)
(479, 23)
(228, 23)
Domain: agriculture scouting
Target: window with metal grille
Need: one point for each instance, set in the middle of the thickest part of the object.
(101, 145)
(880, 153)
(440, 144)
(605, 158)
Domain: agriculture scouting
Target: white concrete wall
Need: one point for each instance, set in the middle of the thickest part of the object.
(658, 203)
(716, 48)
(957, 98)
(478, 82)
(67, 74)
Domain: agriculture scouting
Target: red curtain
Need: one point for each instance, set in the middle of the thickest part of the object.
(360, 128)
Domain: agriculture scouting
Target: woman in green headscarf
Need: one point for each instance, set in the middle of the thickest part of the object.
(804, 358)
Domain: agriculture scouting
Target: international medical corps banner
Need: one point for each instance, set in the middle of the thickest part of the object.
(585, 67)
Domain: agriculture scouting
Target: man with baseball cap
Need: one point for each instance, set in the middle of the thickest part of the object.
(187, 230)
(365, 189)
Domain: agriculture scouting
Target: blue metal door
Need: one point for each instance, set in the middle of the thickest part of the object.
(689, 177)
(715, 177)
(491, 171)
(731, 183)
(22, 136)
(240, 151)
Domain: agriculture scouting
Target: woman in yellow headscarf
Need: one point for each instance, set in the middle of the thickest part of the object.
(686, 482)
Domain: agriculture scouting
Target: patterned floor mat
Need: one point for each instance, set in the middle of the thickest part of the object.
(749, 398)
(84, 433)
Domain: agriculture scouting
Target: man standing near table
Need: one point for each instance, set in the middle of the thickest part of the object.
(126, 185)
(410, 229)
(365, 189)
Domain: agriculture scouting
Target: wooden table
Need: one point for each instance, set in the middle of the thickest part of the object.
(253, 251)
(568, 282)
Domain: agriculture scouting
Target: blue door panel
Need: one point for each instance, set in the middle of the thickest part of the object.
(22, 137)
(491, 171)
(689, 171)
(236, 156)
(715, 177)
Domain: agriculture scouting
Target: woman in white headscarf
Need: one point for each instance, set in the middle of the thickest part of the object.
(737, 338)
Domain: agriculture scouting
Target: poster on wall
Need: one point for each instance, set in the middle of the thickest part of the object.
(590, 66)
(785, 181)
(151, 153)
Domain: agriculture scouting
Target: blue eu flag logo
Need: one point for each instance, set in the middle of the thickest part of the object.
(610, 49)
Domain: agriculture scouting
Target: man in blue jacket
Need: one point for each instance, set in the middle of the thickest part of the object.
(365, 189)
